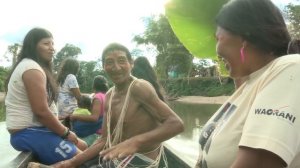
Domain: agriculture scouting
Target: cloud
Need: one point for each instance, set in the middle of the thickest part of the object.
(90, 25)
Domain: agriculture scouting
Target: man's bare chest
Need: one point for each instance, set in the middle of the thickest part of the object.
(126, 109)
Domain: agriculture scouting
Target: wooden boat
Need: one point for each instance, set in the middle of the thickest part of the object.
(174, 160)
(22, 160)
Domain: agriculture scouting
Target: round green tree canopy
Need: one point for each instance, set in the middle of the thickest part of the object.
(193, 22)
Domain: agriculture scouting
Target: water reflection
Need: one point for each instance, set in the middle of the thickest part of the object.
(194, 117)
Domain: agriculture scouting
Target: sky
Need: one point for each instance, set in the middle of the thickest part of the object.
(87, 24)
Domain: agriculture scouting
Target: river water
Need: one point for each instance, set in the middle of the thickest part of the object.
(7, 153)
(185, 145)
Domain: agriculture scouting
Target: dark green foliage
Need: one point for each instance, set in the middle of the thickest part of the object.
(293, 15)
(209, 86)
(87, 72)
(3, 75)
(69, 50)
(14, 49)
(2, 111)
(171, 54)
(85, 77)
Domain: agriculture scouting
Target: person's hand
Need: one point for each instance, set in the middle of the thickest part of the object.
(121, 150)
(72, 137)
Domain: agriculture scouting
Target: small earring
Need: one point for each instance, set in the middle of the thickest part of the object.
(242, 53)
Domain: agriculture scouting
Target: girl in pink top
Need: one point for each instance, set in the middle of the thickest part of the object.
(86, 125)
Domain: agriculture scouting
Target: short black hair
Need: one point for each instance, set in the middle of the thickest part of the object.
(85, 102)
(115, 47)
(100, 84)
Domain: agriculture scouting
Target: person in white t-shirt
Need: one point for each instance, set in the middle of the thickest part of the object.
(258, 126)
(31, 114)
(69, 92)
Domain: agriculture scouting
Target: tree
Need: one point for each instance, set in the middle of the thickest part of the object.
(293, 16)
(205, 68)
(136, 52)
(87, 72)
(14, 51)
(69, 50)
(170, 52)
(3, 76)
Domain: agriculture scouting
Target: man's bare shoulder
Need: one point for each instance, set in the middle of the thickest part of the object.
(142, 85)
(143, 89)
(141, 82)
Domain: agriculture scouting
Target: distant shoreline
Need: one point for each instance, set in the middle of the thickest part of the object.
(202, 99)
(183, 99)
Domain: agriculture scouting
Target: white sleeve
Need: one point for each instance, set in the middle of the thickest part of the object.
(29, 65)
(72, 81)
(273, 121)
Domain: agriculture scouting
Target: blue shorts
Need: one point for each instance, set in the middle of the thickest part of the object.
(84, 129)
(45, 145)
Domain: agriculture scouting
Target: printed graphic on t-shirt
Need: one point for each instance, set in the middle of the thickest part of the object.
(207, 131)
(281, 113)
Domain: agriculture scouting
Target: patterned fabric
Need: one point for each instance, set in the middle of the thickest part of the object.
(66, 101)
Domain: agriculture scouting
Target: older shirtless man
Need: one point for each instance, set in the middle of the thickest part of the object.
(136, 120)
